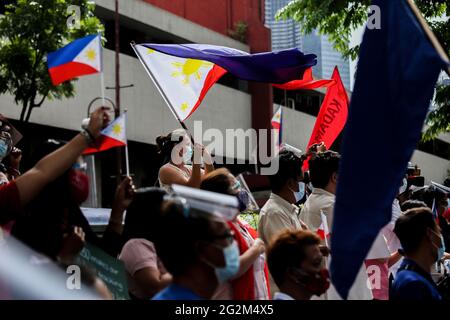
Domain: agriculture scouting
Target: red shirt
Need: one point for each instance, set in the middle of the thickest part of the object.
(9, 202)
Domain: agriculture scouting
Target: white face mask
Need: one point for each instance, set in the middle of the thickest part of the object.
(301, 191)
(187, 155)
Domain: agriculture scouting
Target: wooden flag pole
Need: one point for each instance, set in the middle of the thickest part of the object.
(161, 91)
(426, 28)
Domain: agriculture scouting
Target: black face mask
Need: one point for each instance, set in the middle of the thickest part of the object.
(315, 283)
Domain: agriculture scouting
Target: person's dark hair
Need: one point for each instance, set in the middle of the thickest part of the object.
(142, 213)
(411, 228)
(167, 143)
(447, 182)
(411, 204)
(289, 167)
(217, 181)
(322, 166)
(287, 251)
(40, 228)
(177, 237)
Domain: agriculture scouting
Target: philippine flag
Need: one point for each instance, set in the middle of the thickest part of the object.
(277, 126)
(112, 136)
(78, 58)
(184, 81)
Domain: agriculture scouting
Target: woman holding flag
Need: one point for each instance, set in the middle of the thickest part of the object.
(176, 151)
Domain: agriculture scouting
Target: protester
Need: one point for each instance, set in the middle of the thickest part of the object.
(146, 274)
(296, 264)
(422, 247)
(199, 252)
(54, 224)
(279, 213)
(323, 171)
(10, 156)
(251, 281)
(16, 194)
(176, 151)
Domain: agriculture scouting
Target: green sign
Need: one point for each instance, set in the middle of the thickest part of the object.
(110, 270)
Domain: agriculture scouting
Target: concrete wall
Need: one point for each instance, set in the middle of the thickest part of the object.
(433, 168)
(148, 116)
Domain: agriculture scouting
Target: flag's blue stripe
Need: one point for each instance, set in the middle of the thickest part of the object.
(69, 52)
(396, 75)
(273, 67)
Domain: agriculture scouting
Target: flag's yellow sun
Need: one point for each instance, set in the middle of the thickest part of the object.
(117, 129)
(150, 51)
(184, 106)
(191, 67)
(91, 54)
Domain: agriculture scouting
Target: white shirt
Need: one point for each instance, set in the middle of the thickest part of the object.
(392, 240)
(277, 215)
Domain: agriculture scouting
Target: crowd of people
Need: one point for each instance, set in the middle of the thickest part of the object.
(170, 252)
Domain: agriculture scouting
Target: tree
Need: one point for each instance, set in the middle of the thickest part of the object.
(338, 18)
(28, 31)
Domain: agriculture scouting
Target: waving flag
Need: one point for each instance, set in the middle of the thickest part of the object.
(397, 71)
(184, 81)
(306, 83)
(277, 125)
(323, 231)
(80, 57)
(114, 135)
(332, 115)
(185, 72)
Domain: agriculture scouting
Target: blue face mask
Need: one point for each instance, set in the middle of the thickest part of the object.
(301, 192)
(231, 268)
(187, 155)
(4, 148)
(441, 247)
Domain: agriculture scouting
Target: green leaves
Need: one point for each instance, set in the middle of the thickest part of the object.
(339, 18)
(28, 31)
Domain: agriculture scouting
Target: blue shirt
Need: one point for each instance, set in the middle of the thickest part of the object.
(413, 283)
(176, 292)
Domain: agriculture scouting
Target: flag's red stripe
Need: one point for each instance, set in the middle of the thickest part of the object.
(305, 85)
(104, 143)
(213, 76)
(69, 71)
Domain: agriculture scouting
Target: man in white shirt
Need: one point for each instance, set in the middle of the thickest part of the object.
(279, 213)
(323, 172)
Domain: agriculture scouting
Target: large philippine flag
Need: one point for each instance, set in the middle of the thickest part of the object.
(185, 82)
(185, 72)
(112, 136)
(78, 58)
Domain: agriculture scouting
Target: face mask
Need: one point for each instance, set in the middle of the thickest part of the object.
(242, 197)
(187, 155)
(441, 247)
(79, 186)
(301, 192)
(231, 268)
(316, 284)
(403, 187)
(4, 149)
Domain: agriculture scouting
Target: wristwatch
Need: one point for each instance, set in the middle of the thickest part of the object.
(88, 136)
